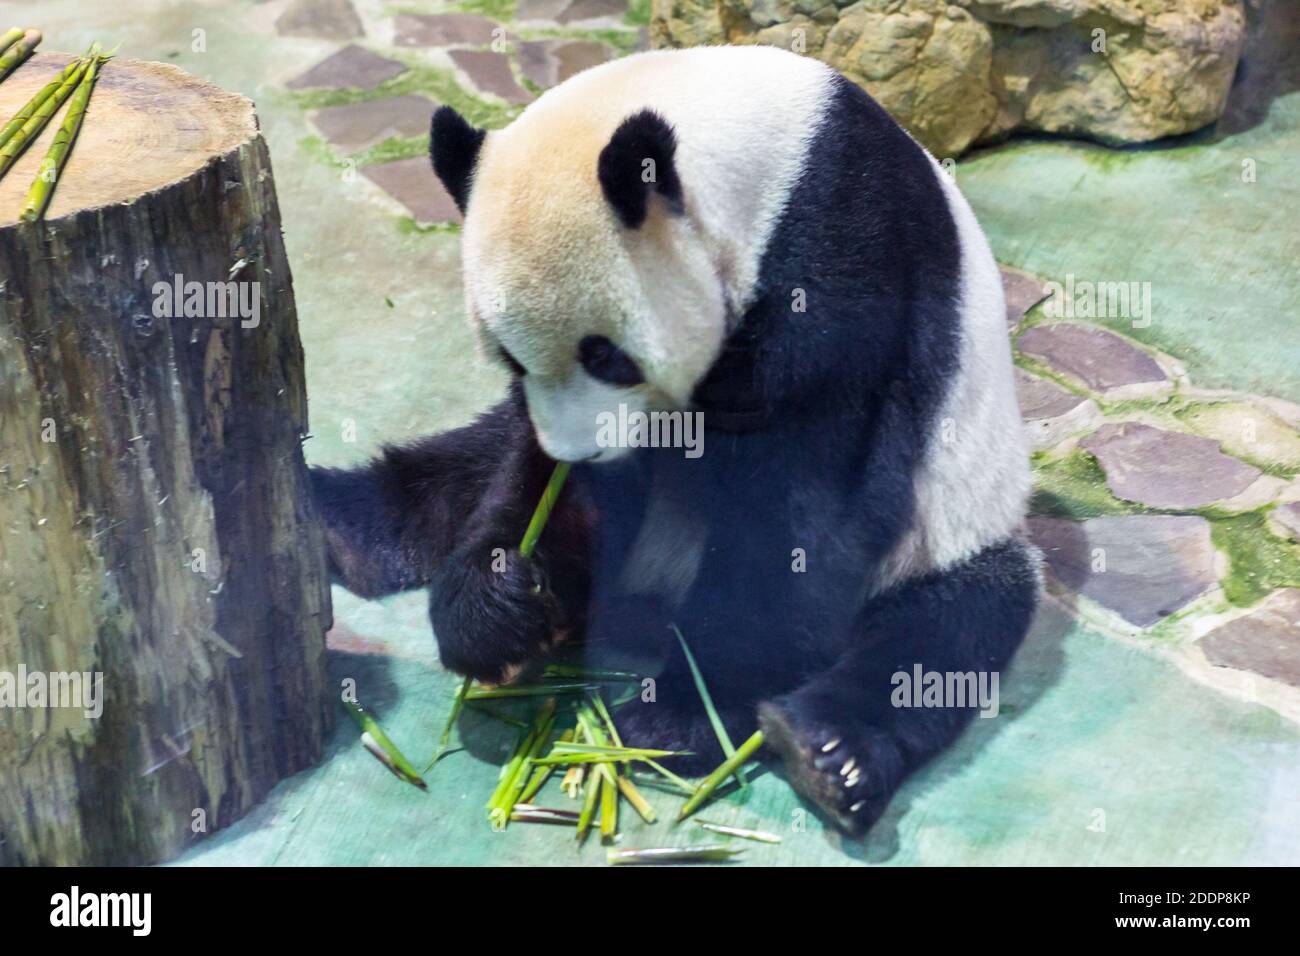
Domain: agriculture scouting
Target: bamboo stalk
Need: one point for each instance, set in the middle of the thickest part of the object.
(524, 813)
(762, 836)
(674, 854)
(543, 511)
(44, 93)
(526, 690)
(635, 797)
(724, 770)
(11, 37)
(38, 197)
(588, 804)
(28, 132)
(589, 674)
(383, 749)
(17, 50)
(608, 805)
(513, 776)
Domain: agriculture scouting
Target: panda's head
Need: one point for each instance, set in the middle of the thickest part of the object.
(583, 273)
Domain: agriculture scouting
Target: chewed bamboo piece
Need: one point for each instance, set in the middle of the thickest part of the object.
(38, 197)
(384, 750)
(674, 854)
(27, 133)
(44, 93)
(762, 836)
(18, 49)
(724, 770)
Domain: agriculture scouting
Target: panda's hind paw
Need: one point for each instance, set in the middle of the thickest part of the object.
(848, 774)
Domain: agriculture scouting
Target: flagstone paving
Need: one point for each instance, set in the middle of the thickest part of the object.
(1101, 360)
(352, 67)
(1168, 640)
(1166, 469)
(320, 19)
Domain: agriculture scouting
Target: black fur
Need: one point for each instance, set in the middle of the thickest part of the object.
(622, 171)
(821, 416)
(454, 147)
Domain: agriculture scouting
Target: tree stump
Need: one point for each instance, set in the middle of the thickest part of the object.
(156, 525)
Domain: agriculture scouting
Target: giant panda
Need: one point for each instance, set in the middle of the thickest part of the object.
(742, 233)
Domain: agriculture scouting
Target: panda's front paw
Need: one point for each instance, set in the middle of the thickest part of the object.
(849, 772)
(492, 614)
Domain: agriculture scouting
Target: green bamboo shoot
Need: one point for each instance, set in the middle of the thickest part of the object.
(27, 134)
(32, 105)
(543, 510)
(725, 769)
(18, 50)
(38, 197)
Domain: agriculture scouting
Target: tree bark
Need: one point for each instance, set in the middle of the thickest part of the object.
(156, 525)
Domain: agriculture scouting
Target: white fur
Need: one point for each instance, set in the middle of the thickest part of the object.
(974, 482)
(546, 261)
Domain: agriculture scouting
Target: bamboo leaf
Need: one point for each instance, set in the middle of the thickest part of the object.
(719, 728)
(451, 722)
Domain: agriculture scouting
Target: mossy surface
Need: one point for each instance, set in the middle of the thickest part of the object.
(420, 79)
(1260, 561)
(1074, 486)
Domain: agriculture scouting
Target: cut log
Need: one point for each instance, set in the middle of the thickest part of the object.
(156, 526)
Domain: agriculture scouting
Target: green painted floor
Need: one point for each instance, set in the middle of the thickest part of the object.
(1104, 752)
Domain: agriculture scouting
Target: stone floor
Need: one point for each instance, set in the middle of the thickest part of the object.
(1154, 713)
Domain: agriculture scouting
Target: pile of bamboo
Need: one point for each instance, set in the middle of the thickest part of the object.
(73, 86)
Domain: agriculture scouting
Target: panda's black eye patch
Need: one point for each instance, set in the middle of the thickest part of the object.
(606, 361)
(511, 361)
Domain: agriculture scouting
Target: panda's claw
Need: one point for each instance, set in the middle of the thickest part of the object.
(849, 777)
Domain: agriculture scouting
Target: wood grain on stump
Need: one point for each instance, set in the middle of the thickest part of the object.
(155, 520)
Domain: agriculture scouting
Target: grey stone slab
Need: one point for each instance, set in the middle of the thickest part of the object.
(1100, 359)
(321, 20)
(1041, 398)
(1022, 292)
(1266, 641)
(1287, 517)
(352, 67)
(490, 73)
(444, 29)
(1142, 567)
(546, 63)
(1163, 469)
(355, 126)
(412, 183)
(580, 10)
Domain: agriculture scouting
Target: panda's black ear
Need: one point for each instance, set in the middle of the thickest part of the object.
(454, 146)
(638, 161)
